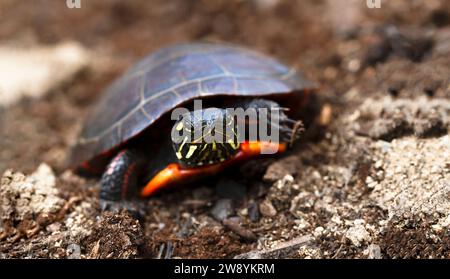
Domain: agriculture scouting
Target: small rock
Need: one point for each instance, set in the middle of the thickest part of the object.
(281, 168)
(265, 5)
(267, 209)
(326, 115)
(195, 204)
(80, 221)
(336, 219)
(301, 224)
(309, 252)
(440, 17)
(243, 211)
(374, 251)
(73, 251)
(186, 215)
(235, 225)
(55, 227)
(253, 212)
(223, 209)
(430, 126)
(357, 235)
(397, 42)
(303, 202)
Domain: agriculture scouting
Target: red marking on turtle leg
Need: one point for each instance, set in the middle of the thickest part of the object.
(112, 166)
(119, 176)
(126, 179)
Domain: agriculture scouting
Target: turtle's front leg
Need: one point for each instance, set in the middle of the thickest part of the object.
(119, 182)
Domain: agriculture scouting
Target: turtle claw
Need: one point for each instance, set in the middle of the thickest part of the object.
(290, 130)
(297, 129)
(135, 208)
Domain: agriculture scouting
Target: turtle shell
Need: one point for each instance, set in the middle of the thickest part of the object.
(172, 76)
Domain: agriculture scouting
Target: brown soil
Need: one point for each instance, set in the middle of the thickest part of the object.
(358, 186)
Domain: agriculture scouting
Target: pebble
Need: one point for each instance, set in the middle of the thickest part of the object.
(354, 65)
(73, 251)
(54, 227)
(235, 225)
(357, 234)
(222, 209)
(301, 224)
(336, 219)
(374, 251)
(372, 185)
(437, 228)
(267, 209)
(318, 231)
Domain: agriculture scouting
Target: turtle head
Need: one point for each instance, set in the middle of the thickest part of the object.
(205, 137)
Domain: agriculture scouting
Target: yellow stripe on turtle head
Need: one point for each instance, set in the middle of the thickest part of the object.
(179, 126)
(233, 144)
(191, 151)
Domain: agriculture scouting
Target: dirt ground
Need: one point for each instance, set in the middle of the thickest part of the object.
(373, 183)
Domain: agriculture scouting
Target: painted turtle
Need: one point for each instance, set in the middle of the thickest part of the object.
(127, 134)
